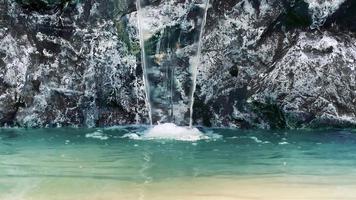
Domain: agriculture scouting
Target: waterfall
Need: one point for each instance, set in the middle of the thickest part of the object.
(143, 60)
(170, 40)
(196, 63)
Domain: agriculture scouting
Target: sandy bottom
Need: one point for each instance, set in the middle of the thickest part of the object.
(216, 188)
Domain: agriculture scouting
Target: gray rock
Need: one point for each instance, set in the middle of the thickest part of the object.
(272, 73)
(265, 64)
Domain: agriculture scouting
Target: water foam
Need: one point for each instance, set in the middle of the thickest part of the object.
(170, 131)
(97, 135)
(321, 9)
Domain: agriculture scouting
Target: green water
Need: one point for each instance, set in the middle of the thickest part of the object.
(31, 160)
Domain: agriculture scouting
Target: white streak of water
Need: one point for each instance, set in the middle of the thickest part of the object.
(143, 59)
(196, 63)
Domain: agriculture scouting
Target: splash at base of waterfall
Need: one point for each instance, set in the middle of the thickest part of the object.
(170, 131)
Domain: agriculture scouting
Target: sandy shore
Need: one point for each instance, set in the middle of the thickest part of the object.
(237, 188)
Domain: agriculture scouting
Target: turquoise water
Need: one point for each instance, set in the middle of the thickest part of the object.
(31, 159)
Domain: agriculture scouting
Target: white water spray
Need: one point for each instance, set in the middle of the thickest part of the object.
(171, 131)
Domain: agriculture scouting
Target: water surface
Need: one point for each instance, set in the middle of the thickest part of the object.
(95, 164)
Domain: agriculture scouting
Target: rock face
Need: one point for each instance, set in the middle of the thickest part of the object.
(279, 64)
(68, 64)
(265, 64)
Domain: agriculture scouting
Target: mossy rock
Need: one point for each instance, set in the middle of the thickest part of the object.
(271, 113)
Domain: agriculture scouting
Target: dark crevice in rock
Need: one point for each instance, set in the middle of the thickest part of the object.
(65, 32)
(3, 86)
(9, 116)
(271, 113)
(202, 112)
(295, 16)
(36, 85)
(2, 56)
(256, 5)
(86, 8)
(344, 18)
(280, 51)
(234, 71)
(43, 6)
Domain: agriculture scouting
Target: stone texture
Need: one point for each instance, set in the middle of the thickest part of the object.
(265, 64)
(272, 68)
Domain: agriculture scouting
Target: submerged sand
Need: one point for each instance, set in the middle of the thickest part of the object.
(213, 188)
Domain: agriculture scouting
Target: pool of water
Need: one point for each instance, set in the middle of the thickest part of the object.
(107, 163)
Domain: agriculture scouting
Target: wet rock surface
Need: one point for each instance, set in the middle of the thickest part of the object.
(265, 64)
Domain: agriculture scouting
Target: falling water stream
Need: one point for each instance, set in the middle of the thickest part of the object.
(138, 5)
(170, 39)
(196, 63)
